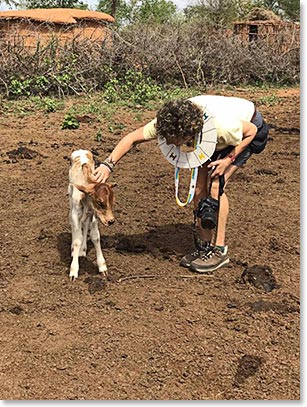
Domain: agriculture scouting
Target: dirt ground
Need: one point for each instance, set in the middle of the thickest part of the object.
(152, 331)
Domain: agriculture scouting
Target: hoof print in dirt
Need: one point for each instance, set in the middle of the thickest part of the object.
(248, 366)
(127, 245)
(95, 284)
(22, 153)
(260, 277)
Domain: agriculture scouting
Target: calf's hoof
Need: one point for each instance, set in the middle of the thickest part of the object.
(103, 270)
(73, 275)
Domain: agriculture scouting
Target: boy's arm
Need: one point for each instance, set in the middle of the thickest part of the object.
(102, 173)
(249, 131)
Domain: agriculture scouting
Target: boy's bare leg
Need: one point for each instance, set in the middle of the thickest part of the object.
(222, 220)
(201, 192)
(223, 207)
(219, 256)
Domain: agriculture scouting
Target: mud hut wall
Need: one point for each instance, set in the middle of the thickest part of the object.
(29, 33)
(287, 35)
(25, 32)
(242, 31)
(93, 30)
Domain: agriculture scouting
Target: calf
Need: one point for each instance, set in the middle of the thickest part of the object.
(89, 201)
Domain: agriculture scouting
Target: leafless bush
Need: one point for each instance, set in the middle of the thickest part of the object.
(183, 54)
(189, 53)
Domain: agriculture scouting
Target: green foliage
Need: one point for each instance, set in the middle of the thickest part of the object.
(157, 11)
(219, 13)
(19, 87)
(119, 9)
(33, 4)
(134, 11)
(41, 83)
(99, 136)
(70, 122)
(133, 87)
(50, 105)
(286, 9)
(63, 79)
(29, 105)
(31, 86)
(270, 100)
(291, 9)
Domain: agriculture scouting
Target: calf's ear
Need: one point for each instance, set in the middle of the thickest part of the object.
(87, 189)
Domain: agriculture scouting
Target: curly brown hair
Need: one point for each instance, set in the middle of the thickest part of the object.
(179, 119)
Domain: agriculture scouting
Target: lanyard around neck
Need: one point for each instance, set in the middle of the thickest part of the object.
(193, 180)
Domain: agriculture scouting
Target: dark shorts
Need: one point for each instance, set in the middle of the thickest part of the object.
(240, 160)
(257, 145)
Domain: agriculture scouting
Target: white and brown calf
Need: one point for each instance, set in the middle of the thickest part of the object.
(89, 202)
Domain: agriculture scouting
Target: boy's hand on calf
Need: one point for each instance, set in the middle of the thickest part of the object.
(101, 174)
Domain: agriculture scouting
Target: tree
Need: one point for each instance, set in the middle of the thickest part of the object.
(223, 12)
(116, 8)
(158, 11)
(133, 11)
(9, 3)
(32, 4)
(289, 9)
(219, 13)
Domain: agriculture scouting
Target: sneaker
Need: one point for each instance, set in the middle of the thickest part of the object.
(211, 261)
(188, 258)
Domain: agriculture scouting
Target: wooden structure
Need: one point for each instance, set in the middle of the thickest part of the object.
(41, 25)
(286, 34)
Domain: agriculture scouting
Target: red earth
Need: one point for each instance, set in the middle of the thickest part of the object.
(152, 330)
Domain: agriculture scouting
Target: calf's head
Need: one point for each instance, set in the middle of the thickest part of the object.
(101, 200)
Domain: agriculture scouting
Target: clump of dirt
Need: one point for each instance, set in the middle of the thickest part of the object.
(260, 277)
(265, 306)
(248, 366)
(22, 153)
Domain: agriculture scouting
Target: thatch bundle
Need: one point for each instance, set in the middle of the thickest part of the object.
(261, 14)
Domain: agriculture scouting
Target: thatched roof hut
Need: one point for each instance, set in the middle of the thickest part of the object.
(31, 26)
(262, 14)
(286, 34)
(265, 25)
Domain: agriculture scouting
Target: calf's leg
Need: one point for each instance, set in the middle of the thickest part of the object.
(76, 242)
(83, 249)
(95, 237)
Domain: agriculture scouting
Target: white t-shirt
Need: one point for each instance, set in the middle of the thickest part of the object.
(227, 112)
